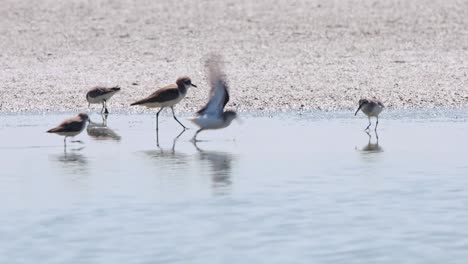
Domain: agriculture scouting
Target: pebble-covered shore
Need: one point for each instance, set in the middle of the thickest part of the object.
(279, 55)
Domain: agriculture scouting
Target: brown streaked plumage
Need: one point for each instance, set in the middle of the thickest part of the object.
(370, 107)
(167, 96)
(71, 127)
(164, 94)
(100, 94)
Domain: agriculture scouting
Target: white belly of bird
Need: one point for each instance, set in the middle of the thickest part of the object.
(69, 134)
(209, 122)
(164, 104)
(99, 99)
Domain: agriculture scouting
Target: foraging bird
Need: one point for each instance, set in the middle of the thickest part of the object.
(370, 108)
(71, 127)
(167, 96)
(212, 115)
(99, 94)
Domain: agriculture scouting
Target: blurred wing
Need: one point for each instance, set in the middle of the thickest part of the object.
(219, 93)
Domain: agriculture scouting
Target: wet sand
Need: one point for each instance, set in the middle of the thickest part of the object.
(280, 55)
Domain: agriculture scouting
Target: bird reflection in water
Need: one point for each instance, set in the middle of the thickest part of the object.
(219, 164)
(372, 147)
(72, 161)
(100, 131)
(172, 158)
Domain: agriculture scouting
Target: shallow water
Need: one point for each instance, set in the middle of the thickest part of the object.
(285, 188)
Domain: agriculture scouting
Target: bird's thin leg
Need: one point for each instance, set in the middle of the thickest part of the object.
(102, 109)
(157, 118)
(173, 114)
(104, 120)
(376, 124)
(194, 142)
(105, 107)
(180, 134)
(367, 128)
(194, 139)
(157, 138)
(370, 137)
(175, 140)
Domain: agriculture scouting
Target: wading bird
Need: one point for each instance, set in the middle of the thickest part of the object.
(71, 127)
(370, 108)
(167, 96)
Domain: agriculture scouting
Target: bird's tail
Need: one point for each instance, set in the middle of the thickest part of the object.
(136, 103)
(116, 88)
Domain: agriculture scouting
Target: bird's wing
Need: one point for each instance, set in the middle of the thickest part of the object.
(69, 125)
(167, 93)
(98, 91)
(219, 93)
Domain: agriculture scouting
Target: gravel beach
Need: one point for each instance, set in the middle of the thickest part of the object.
(281, 55)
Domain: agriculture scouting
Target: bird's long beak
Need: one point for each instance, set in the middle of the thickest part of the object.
(193, 85)
(358, 109)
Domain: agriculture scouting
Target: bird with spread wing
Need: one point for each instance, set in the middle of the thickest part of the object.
(212, 115)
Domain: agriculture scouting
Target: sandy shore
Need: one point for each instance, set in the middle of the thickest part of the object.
(280, 55)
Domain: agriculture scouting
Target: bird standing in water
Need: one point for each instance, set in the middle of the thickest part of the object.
(167, 96)
(71, 127)
(370, 108)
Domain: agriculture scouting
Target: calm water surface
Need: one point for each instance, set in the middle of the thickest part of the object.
(287, 188)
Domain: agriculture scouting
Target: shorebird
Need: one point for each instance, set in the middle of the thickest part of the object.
(370, 108)
(212, 115)
(71, 127)
(167, 96)
(100, 95)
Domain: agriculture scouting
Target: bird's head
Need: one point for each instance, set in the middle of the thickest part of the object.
(185, 81)
(84, 117)
(362, 102)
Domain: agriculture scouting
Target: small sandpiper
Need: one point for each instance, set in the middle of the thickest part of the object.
(213, 116)
(167, 96)
(370, 108)
(100, 95)
(71, 127)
